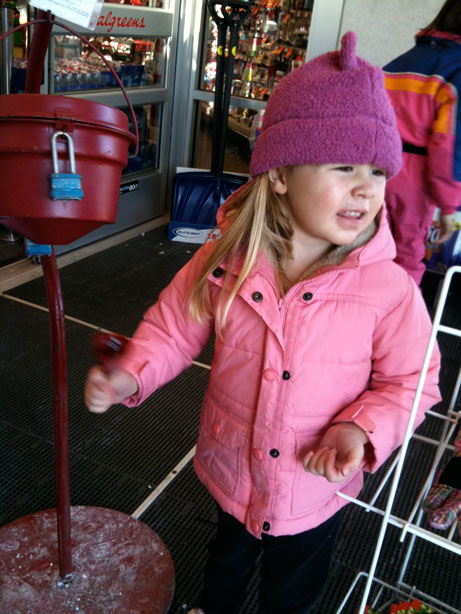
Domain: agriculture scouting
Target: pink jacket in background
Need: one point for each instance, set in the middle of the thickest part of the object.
(346, 344)
(424, 85)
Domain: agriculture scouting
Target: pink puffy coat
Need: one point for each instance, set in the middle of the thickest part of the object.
(346, 344)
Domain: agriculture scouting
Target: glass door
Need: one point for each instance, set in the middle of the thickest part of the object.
(278, 36)
(273, 41)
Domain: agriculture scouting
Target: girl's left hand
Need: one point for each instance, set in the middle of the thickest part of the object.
(339, 454)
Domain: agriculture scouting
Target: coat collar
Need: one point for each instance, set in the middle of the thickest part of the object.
(425, 35)
(381, 246)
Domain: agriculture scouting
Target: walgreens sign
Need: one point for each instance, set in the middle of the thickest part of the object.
(126, 20)
(109, 21)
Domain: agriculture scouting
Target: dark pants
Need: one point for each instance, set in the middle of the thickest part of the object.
(294, 568)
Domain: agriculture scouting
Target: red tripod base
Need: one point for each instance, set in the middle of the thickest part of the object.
(120, 566)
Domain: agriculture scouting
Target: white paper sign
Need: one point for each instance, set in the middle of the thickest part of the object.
(85, 13)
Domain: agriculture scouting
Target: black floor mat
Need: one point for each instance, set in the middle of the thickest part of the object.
(116, 459)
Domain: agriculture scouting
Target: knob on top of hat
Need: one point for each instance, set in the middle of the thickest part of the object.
(347, 56)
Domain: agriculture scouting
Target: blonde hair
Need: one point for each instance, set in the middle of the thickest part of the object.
(258, 219)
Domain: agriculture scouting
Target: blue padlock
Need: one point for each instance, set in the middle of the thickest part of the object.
(65, 186)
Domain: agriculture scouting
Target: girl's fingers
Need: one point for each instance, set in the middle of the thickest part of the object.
(311, 458)
(352, 461)
(314, 462)
(105, 389)
(324, 463)
(99, 394)
(332, 473)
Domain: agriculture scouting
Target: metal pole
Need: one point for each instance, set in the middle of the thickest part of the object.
(6, 59)
(61, 421)
(39, 46)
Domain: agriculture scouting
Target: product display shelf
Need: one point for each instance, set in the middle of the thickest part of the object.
(412, 524)
(272, 42)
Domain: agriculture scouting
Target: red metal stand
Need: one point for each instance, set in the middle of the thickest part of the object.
(119, 565)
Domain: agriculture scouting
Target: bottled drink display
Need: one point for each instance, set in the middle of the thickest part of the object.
(137, 62)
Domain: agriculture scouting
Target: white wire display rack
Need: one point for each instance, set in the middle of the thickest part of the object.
(411, 526)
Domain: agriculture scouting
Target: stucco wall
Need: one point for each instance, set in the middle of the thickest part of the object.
(386, 28)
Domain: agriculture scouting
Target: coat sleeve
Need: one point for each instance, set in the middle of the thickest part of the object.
(444, 151)
(399, 346)
(167, 339)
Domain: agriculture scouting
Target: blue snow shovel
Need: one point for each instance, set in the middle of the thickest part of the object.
(198, 194)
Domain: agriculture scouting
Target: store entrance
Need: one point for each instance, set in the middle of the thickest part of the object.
(278, 36)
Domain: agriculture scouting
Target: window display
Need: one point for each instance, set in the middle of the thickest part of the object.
(138, 62)
(156, 4)
(272, 43)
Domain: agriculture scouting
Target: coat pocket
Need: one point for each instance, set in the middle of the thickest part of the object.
(220, 448)
(310, 492)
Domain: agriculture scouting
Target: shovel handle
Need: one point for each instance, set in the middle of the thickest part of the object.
(219, 82)
(232, 4)
(234, 14)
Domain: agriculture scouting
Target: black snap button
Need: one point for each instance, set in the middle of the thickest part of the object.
(307, 296)
(286, 375)
(266, 526)
(218, 272)
(274, 453)
(257, 297)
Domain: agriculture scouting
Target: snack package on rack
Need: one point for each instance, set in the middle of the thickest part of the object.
(405, 607)
(443, 502)
(412, 608)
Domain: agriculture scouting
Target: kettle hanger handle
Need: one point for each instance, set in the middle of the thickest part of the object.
(239, 11)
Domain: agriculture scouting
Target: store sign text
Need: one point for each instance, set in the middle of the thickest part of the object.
(110, 21)
(129, 187)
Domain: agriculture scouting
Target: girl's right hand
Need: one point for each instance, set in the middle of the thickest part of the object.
(105, 389)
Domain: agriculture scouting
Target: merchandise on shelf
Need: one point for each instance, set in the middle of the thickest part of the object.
(272, 43)
(77, 67)
(405, 607)
(443, 501)
(156, 4)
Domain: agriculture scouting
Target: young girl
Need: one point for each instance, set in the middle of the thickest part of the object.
(320, 336)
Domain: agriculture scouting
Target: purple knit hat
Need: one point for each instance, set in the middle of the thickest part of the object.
(333, 109)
